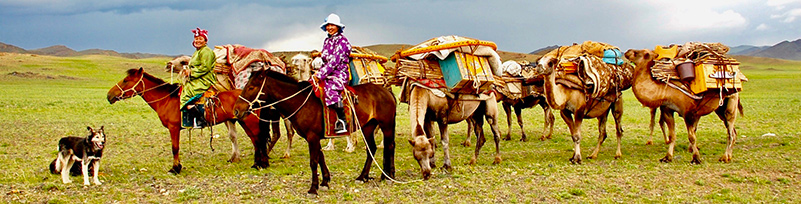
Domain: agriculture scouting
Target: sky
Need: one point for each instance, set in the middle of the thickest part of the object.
(164, 26)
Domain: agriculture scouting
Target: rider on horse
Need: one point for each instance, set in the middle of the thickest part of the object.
(334, 73)
(200, 77)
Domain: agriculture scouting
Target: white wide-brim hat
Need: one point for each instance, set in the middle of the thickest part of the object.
(332, 19)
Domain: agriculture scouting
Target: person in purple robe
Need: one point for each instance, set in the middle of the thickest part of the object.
(334, 72)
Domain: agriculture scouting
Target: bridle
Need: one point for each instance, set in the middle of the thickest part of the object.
(256, 99)
(122, 95)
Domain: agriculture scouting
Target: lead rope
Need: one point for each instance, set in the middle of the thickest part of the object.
(370, 152)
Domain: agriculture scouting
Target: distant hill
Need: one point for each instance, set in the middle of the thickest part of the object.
(56, 50)
(746, 49)
(10, 48)
(64, 51)
(783, 50)
(544, 50)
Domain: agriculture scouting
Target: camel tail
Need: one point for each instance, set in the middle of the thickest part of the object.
(740, 108)
(653, 114)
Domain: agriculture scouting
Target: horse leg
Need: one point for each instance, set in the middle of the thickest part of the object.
(290, 132)
(175, 139)
(330, 145)
(671, 124)
(351, 143)
(691, 121)
(259, 140)
(507, 108)
(314, 157)
(368, 131)
(727, 113)
(234, 144)
(617, 114)
(275, 130)
(601, 134)
(326, 174)
(388, 130)
(547, 112)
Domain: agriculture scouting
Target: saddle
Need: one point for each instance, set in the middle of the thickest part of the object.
(330, 116)
(195, 117)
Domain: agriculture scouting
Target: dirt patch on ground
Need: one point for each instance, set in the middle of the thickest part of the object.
(32, 75)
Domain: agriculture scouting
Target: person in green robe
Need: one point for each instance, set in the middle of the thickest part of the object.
(200, 77)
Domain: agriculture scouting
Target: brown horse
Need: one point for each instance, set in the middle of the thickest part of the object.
(375, 108)
(163, 97)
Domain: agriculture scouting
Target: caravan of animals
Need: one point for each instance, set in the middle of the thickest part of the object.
(444, 80)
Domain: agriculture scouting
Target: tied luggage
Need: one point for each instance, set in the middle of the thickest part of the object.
(466, 74)
(717, 73)
(366, 67)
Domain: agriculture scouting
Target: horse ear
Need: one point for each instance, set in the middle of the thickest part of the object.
(411, 142)
(140, 70)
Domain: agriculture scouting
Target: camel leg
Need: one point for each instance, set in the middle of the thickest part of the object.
(691, 121)
(601, 134)
(175, 139)
(507, 108)
(727, 113)
(651, 127)
(574, 124)
(662, 127)
(470, 128)
(617, 114)
(234, 144)
(518, 113)
(671, 124)
(445, 140)
(290, 132)
(491, 116)
(478, 120)
(547, 128)
(428, 129)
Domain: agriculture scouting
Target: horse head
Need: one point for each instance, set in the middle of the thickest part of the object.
(130, 86)
(423, 150)
(250, 94)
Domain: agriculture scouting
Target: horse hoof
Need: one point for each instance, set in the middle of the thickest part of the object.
(176, 169)
(497, 160)
(524, 139)
(695, 161)
(472, 161)
(649, 142)
(466, 144)
(234, 160)
(311, 194)
(666, 159)
(507, 138)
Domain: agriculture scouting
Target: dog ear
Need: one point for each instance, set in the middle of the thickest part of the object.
(89, 128)
(411, 142)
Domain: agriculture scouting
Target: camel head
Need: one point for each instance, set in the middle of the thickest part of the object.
(641, 58)
(546, 64)
(423, 151)
(176, 65)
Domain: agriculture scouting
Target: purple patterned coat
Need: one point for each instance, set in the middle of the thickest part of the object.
(334, 73)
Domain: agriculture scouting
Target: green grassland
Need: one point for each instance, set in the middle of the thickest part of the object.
(45, 98)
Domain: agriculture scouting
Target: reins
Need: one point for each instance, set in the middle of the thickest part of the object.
(135, 92)
(261, 92)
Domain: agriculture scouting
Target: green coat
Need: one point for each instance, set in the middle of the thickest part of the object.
(202, 74)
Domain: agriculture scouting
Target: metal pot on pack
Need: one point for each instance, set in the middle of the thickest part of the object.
(686, 70)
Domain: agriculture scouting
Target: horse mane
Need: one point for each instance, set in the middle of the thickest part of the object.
(285, 79)
(157, 80)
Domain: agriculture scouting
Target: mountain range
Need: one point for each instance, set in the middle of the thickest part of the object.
(789, 50)
(64, 51)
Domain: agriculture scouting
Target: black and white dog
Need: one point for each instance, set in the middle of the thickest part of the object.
(86, 150)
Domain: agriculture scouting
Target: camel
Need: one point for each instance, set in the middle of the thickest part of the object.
(576, 104)
(519, 104)
(425, 107)
(655, 94)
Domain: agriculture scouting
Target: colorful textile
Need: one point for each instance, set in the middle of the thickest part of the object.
(334, 73)
(201, 33)
(201, 75)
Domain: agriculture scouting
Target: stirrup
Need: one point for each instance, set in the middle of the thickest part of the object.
(339, 127)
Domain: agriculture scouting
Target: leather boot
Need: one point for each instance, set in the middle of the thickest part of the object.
(339, 126)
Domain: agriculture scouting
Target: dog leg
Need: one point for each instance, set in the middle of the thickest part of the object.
(66, 164)
(96, 166)
(85, 170)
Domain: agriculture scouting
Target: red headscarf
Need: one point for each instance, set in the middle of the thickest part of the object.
(202, 33)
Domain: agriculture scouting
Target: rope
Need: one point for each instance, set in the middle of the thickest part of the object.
(370, 152)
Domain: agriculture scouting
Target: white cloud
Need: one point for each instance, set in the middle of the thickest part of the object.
(781, 4)
(300, 41)
(762, 27)
(705, 19)
(789, 16)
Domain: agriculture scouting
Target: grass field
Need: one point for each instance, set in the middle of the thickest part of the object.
(45, 98)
